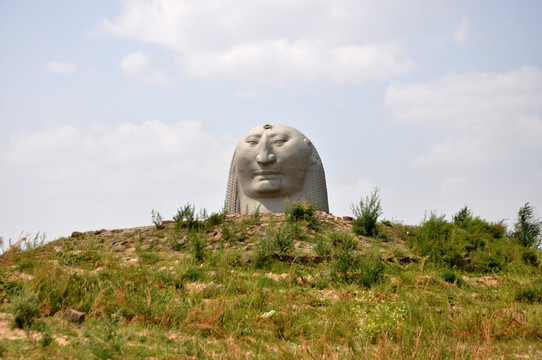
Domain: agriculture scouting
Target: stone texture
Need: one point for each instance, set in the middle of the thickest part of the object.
(271, 166)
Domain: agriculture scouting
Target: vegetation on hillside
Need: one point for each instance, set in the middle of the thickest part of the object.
(303, 284)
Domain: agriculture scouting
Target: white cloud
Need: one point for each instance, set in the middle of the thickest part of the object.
(269, 41)
(246, 94)
(303, 60)
(57, 67)
(137, 65)
(461, 34)
(489, 118)
(109, 176)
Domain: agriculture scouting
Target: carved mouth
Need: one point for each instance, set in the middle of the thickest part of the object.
(266, 173)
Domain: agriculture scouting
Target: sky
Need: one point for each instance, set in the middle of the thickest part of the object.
(111, 109)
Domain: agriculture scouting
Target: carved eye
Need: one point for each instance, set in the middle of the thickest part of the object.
(252, 141)
(280, 142)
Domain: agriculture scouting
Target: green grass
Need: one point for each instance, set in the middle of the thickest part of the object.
(274, 287)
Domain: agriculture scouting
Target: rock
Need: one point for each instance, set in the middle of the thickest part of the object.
(114, 241)
(268, 314)
(76, 234)
(74, 315)
(348, 218)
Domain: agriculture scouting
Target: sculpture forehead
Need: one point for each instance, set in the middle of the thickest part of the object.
(273, 129)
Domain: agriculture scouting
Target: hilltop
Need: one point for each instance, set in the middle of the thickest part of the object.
(302, 285)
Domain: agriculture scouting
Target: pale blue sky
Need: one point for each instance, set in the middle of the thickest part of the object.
(110, 109)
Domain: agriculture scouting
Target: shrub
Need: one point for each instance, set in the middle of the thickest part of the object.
(450, 276)
(263, 251)
(371, 270)
(193, 274)
(216, 219)
(366, 215)
(345, 261)
(25, 309)
(529, 256)
(299, 211)
(283, 241)
(186, 217)
(198, 246)
(157, 219)
(528, 228)
(322, 246)
(531, 293)
(342, 241)
(46, 339)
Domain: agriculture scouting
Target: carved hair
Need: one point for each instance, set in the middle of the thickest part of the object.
(314, 187)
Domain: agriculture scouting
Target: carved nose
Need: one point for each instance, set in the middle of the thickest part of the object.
(265, 157)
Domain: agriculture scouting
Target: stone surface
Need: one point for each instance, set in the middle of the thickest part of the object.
(74, 315)
(271, 166)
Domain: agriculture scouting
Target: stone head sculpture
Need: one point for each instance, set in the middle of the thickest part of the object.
(272, 165)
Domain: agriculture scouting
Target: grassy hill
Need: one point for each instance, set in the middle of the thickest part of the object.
(260, 286)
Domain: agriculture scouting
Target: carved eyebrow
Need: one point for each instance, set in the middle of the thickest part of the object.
(253, 137)
(280, 135)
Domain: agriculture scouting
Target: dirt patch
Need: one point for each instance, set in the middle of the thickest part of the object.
(482, 280)
(276, 277)
(197, 287)
(14, 334)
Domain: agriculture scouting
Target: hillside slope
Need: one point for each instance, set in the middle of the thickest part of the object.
(263, 286)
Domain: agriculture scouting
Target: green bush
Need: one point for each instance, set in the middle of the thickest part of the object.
(450, 276)
(198, 242)
(530, 256)
(366, 215)
(25, 309)
(528, 228)
(193, 274)
(283, 241)
(157, 219)
(342, 241)
(531, 293)
(322, 246)
(371, 270)
(265, 248)
(186, 218)
(300, 211)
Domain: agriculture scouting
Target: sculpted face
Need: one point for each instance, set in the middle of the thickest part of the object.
(272, 161)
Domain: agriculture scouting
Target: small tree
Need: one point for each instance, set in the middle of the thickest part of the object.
(528, 227)
(367, 213)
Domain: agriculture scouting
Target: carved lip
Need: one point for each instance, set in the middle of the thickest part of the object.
(267, 173)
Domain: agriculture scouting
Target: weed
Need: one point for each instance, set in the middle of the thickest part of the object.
(300, 211)
(186, 218)
(342, 240)
(371, 270)
(531, 293)
(215, 219)
(387, 223)
(157, 220)
(528, 227)
(25, 309)
(450, 276)
(322, 246)
(193, 274)
(530, 256)
(283, 241)
(265, 247)
(366, 215)
(46, 339)
(378, 317)
(198, 241)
